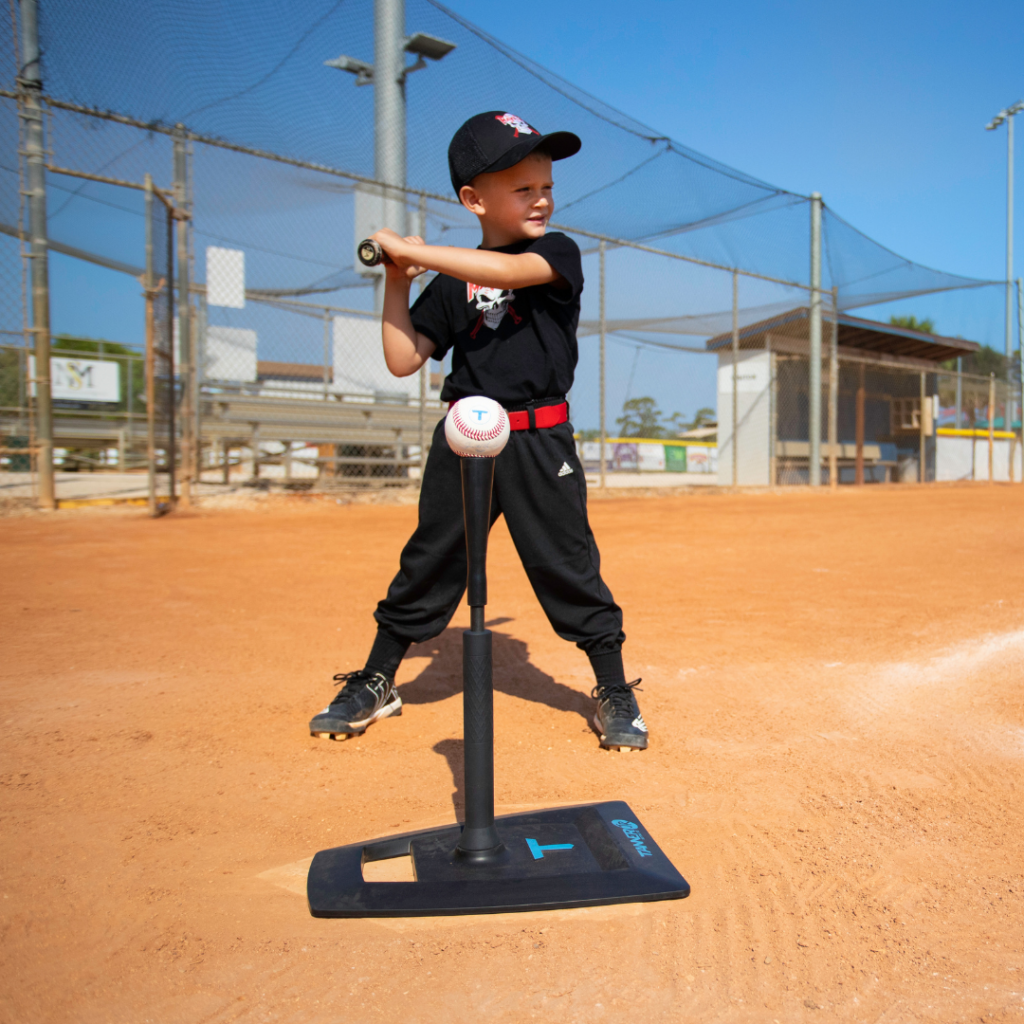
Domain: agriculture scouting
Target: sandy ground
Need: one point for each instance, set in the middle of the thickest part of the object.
(833, 684)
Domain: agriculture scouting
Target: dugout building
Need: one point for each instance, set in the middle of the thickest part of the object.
(903, 411)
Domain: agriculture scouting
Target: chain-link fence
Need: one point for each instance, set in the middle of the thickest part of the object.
(276, 373)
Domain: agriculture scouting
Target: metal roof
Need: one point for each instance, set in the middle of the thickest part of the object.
(856, 333)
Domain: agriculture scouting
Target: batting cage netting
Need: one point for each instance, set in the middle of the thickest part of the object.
(257, 121)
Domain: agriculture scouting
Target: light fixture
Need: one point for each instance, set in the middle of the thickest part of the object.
(355, 66)
(428, 46)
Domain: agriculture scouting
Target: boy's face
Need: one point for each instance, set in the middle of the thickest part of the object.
(512, 204)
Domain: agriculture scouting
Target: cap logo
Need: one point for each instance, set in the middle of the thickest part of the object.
(516, 122)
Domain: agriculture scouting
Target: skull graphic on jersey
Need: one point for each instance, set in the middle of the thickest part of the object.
(491, 302)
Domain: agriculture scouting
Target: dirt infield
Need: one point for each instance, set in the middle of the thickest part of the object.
(834, 688)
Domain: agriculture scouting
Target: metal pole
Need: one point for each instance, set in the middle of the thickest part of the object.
(601, 385)
(858, 466)
(833, 395)
(814, 378)
(198, 363)
(327, 353)
(735, 376)
(172, 441)
(773, 417)
(991, 425)
(151, 361)
(1009, 233)
(921, 440)
(1020, 356)
(184, 319)
(31, 112)
(255, 442)
(389, 107)
(959, 390)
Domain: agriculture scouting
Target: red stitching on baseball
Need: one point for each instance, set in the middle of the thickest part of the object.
(474, 434)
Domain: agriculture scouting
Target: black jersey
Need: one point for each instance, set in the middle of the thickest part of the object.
(515, 346)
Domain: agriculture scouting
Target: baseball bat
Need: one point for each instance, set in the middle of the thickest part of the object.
(371, 254)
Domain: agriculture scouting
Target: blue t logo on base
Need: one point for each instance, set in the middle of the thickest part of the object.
(538, 851)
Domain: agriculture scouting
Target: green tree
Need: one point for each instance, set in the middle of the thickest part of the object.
(985, 361)
(640, 418)
(926, 326)
(12, 383)
(703, 417)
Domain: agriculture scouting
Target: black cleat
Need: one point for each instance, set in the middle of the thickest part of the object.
(617, 721)
(364, 699)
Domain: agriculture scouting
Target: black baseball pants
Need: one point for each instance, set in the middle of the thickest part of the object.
(545, 507)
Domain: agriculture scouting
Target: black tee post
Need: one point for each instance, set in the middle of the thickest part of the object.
(479, 842)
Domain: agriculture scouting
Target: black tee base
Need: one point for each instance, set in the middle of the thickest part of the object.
(583, 856)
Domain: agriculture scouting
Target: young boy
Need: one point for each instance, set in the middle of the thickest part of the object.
(509, 312)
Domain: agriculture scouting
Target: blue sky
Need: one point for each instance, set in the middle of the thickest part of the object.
(880, 107)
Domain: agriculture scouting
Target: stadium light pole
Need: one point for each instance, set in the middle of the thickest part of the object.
(387, 75)
(1008, 115)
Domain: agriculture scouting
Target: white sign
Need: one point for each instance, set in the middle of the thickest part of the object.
(225, 277)
(85, 380)
(651, 457)
(229, 354)
(359, 367)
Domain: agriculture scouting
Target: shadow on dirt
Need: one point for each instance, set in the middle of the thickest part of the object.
(513, 674)
(452, 752)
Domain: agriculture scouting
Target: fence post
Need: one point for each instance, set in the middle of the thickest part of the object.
(773, 415)
(172, 428)
(833, 395)
(959, 391)
(1020, 356)
(735, 377)
(921, 439)
(198, 365)
(129, 370)
(814, 332)
(991, 425)
(601, 386)
(327, 353)
(31, 112)
(858, 470)
(186, 367)
(150, 355)
(255, 442)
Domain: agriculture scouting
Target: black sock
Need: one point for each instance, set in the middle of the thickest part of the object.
(608, 668)
(386, 654)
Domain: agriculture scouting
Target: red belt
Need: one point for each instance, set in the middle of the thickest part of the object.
(545, 416)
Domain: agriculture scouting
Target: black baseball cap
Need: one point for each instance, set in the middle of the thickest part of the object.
(497, 140)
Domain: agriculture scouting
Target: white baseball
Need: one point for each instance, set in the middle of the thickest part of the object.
(476, 428)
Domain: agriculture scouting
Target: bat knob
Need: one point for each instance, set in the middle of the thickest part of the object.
(371, 254)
